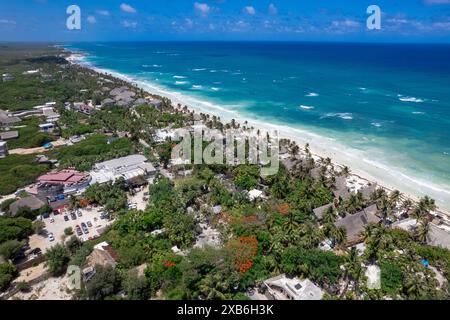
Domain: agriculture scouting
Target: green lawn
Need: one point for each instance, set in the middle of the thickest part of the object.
(18, 171)
(29, 135)
(94, 149)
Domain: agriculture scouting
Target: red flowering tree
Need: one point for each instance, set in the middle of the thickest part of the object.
(244, 250)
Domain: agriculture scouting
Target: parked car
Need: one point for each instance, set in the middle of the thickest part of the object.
(51, 237)
(84, 227)
(78, 230)
(66, 218)
(79, 214)
(36, 251)
(73, 216)
(89, 224)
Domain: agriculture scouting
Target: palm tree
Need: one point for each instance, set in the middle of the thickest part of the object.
(73, 202)
(422, 230)
(394, 198)
(345, 171)
(211, 287)
(353, 269)
(310, 235)
(329, 216)
(338, 235)
(385, 209)
(406, 204)
(295, 150)
(424, 207)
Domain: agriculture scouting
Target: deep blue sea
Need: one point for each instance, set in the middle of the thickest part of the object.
(384, 109)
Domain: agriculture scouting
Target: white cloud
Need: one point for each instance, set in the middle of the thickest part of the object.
(442, 25)
(6, 21)
(129, 24)
(103, 13)
(189, 23)
(343, 26)
(249, 10)
(345, 23)
(273, 10)
(127, 8)
(202, 9)
(91, 19)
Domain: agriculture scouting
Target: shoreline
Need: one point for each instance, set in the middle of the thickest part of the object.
(340, 158)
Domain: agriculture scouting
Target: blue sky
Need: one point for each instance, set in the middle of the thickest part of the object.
(300, 20)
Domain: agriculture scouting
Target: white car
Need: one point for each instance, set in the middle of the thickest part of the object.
(51, 237)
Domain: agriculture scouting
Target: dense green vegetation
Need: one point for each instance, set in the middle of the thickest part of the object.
(29, 135)
(56, 81)
(94, 149)
(112, 196)
(17, 171)
(322, 267)
(7, 274)
(57, 259)
(14, 228)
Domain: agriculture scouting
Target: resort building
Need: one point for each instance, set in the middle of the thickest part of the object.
(31, 202)
(340, 190)
(438, 237)
(123, 96)
(163, 135)
(285, 288)
(319, 212)
(368, 190)
(102, 255)
(127, 167)
(86, 108)
(9, 135)
(406, 224)
(47, 127)
(7, 77)
(6, 120)
(50, 114)
(68, 181)
(155, 103)
(3, 149)
(355, 224)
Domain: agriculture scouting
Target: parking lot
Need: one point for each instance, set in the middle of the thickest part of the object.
(59, 224)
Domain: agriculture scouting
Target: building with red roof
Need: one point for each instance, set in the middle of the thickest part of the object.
(69, 181)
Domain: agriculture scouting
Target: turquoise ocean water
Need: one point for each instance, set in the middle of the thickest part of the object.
(383, 109)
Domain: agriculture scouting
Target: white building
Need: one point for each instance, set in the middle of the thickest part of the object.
(285, 288)
(164, 134)
(127, 167)
(47, 127)
(3, 149)
(255, 194)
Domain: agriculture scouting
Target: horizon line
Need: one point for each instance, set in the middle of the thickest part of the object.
(225, 41)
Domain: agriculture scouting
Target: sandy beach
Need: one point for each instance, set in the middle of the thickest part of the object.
(362, 169)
